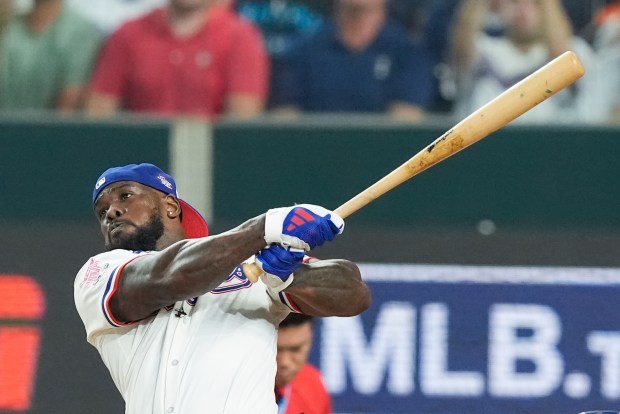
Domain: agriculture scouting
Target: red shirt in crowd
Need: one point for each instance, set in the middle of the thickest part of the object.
(305, 395)
(149, 69)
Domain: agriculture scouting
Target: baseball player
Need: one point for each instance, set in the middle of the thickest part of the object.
(175, 320)
(299, 386)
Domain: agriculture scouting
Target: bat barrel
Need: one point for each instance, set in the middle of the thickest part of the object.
(556, 75)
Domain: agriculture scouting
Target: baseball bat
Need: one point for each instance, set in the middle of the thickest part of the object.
(556, 75)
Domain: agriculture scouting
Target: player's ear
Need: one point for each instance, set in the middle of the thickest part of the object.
(172, 206)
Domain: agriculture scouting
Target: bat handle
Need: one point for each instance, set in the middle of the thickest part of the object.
(252, 271)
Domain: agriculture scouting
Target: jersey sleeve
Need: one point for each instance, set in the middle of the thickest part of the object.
(95, 284)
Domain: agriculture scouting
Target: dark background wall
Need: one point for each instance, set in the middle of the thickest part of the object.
(551, 194)
(47, 171)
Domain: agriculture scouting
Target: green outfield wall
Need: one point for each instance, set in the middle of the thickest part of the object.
(519, 176)
(47, 166)
(544, 176)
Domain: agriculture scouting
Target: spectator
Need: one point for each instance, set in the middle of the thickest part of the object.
(607, 46)
(429, 23)
(581, 14)
(108, 15)
(47, 56)
(607, 20)
(360, 62)
(282, 24)
(534, 32)
(191, 57)
(299, 387)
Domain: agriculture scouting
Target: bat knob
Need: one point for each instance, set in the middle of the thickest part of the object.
(252, 271)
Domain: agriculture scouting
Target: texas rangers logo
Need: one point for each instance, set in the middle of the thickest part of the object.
(236, 281)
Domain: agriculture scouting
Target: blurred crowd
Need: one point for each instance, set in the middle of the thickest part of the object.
(407, 59)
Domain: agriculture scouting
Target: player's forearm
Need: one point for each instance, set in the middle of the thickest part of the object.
(200, 265)
(186, 269)
(330, 288)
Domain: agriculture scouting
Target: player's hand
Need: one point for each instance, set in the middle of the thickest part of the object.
(303, 226)
(278, 264)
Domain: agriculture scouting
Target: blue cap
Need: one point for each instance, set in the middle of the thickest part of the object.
(152, 176)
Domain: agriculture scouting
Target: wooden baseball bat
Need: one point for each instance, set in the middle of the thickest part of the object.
(512, 103)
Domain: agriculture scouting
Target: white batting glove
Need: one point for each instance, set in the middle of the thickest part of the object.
(303, 226)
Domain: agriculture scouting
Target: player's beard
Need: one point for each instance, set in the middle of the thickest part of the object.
(143, 239)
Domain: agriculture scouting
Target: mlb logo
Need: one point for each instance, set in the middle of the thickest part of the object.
(100, 183)
(164, 181)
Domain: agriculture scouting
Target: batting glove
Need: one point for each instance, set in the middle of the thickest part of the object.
(278, 264)
(303, 226)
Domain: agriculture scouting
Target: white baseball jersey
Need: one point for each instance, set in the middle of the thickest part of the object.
(208, 354)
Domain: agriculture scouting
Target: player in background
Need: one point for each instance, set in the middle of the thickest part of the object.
(175, 320)
(299, 387)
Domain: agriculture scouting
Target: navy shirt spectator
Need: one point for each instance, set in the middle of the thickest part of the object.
(283, 23)
(357, 63)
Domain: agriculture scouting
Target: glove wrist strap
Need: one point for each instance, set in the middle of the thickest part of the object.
(274, 283)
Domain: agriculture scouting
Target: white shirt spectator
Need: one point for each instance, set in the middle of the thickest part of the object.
(500, 64)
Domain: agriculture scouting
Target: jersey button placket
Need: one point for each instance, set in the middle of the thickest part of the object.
(179, 341)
